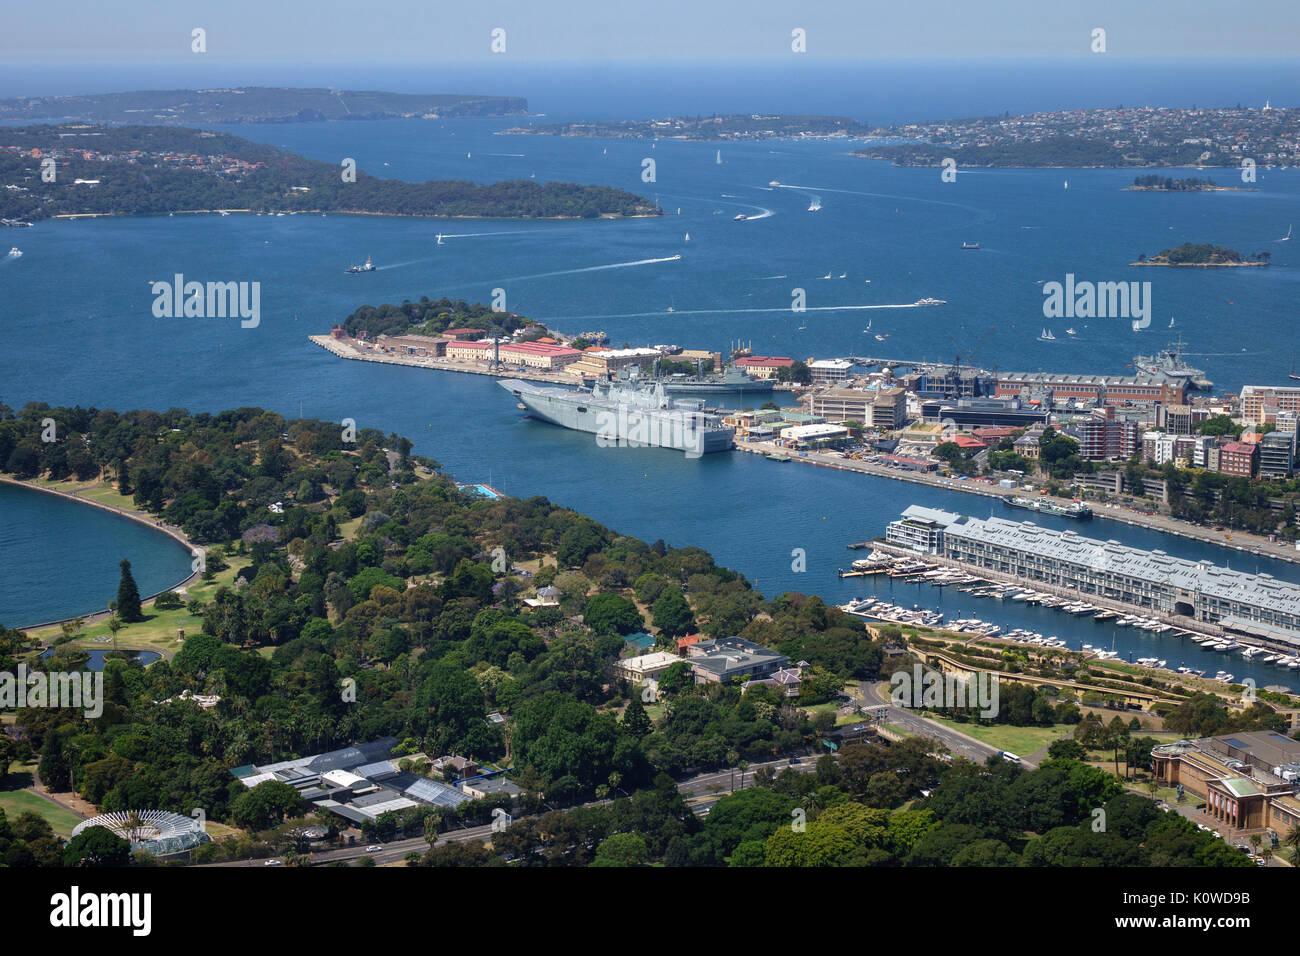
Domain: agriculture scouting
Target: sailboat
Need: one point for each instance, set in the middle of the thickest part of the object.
(826, 276)
(688, 238)
(719, 159)
(1047, 336)
(844, 275)
(439, 239)
(1067, 184)
(1287, 237)
(1171, 321)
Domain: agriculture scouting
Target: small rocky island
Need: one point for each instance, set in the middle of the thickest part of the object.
(1164, 184)
(1202, 256)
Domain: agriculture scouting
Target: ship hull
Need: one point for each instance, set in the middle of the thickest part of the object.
(617, 425)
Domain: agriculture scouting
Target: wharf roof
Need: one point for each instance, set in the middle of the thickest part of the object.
(1063, 379)
(1157, 567)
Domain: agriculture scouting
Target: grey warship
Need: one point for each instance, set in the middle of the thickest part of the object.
(627, 411)
(732, 379)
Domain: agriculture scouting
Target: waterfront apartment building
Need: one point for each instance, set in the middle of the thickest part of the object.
(1093, 389)
(1238, 458)
(1277, 455)
(1179, 419)
(1259, 402)
(920, 529)
(1256, 604)
(875, 408)
(1103, 437)
(830, 370)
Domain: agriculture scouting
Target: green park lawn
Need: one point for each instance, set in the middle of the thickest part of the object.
(15, 802)
(158, 631)
(1021, 741)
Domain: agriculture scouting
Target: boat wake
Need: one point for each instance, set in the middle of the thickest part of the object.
(610, 265)
(786, 309)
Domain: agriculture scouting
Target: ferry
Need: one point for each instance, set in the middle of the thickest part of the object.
(925, 302)
(1075, 509)
(367, 267)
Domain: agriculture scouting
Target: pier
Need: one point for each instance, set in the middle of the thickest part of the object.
(342, 350)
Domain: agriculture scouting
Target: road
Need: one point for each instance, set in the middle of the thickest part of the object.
(910, 721)
(701, 792)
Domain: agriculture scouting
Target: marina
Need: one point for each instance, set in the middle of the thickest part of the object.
(1187, 648)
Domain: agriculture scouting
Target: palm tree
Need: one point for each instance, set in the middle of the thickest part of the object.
(1292, 842)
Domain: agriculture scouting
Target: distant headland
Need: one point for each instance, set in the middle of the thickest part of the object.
(80, 170)
(733, 127)
(255, 104)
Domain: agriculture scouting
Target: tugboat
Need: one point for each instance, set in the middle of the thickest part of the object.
(368, 267)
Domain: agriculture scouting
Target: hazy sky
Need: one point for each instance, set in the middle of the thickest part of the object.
(140, 32)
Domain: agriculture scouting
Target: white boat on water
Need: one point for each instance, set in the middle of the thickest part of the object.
(1047, 336)
(14, 252)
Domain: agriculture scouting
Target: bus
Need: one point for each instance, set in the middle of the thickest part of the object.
(1007, 755)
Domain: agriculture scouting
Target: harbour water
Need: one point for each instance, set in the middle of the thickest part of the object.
(59, 558)
(901, 229)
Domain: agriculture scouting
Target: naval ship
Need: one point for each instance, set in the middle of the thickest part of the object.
(627, 411)
(731, 380)
(1169, 362)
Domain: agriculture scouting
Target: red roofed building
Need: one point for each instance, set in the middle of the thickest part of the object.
(539, 354)
(1238, 458)
(994, 434)
(464, 333)
(687, 641)
(763, 366)
(967, 443)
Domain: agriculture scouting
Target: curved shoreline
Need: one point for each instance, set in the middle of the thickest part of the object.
(174, 533)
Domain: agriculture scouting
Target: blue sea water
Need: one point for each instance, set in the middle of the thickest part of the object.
(77, 310)
(59, 558)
